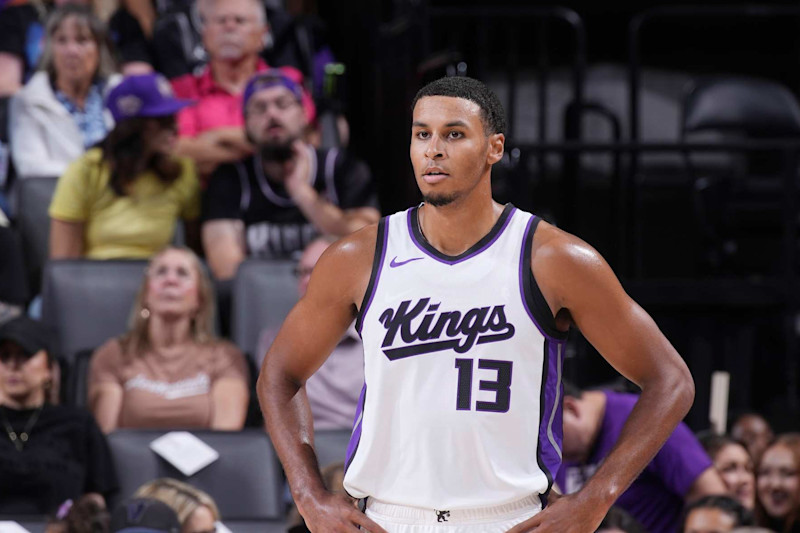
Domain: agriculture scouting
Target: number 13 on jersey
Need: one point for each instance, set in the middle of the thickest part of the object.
(500, 385)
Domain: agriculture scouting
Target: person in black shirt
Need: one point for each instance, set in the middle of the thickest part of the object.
(48, 453)
(274, 203)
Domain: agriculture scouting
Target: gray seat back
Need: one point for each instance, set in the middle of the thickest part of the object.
(88, 302)
(246, 481)
(331, 446)
(264, 292)
(34, 199)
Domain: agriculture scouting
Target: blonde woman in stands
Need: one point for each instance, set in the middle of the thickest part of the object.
(59, 113)
(196, 510)
(169, 370)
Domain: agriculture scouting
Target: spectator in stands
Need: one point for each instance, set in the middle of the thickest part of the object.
(196, 510)
(334, 389)
(778, 485)
(139, 515)
(715, 514)
(48, 453)
(169, 370)
(22, 39)
(618, 521)
(754, 431)
(680, 472)
(123, 199)
(87, 515)
(59, 113)
(234, 32)
(275, 202)
(734, 464)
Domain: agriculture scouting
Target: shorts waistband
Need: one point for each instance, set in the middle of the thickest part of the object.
(419, 515)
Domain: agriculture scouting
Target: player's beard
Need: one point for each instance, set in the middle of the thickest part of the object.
(439, 200)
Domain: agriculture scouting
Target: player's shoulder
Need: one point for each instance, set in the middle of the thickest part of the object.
(355, 251)
(553, 244)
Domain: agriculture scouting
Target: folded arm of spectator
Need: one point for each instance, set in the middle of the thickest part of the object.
(229, 398)
(11, 68)
(224, 245)
(213, 148)
(105, 402)
(66, 239)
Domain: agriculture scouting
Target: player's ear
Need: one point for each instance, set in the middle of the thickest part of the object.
(497, 142)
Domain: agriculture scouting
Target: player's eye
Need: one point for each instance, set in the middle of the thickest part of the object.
(455, 135)
(422, 135)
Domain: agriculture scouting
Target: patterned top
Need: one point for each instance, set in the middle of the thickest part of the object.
(90, 119)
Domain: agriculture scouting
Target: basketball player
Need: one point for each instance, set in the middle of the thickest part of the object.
(463, 306)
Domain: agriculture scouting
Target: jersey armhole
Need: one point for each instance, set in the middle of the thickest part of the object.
(534, 300)
(377, 265)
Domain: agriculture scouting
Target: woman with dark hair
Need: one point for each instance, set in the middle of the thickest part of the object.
(170, 370)
(123, 198)
(735, 466)
(48, 453)
(778, 485)
(59, 113)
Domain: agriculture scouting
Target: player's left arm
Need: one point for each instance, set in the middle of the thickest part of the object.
(581, 288)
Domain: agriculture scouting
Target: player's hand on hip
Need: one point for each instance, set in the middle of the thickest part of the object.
(568, 514)
(334, 513)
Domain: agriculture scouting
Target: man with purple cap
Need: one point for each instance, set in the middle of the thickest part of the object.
(121, 199)
(275, 202)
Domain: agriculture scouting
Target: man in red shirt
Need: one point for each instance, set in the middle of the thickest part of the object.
(234, 33)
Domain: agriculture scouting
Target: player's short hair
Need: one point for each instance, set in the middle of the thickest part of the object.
(492, 113)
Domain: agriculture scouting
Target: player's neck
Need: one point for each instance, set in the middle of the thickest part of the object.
(455, 228)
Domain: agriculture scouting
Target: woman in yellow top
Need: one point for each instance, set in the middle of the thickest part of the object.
(123, 198)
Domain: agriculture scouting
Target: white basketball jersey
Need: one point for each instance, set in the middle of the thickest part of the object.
(461, 406)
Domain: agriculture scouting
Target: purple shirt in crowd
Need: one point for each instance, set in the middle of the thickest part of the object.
(656, 498)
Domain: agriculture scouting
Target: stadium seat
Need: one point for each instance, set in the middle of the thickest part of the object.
(245, 482)
(34, 195)
(738, 209)
(331, 446)
(88, 302)
(263, 293)
(13, 279)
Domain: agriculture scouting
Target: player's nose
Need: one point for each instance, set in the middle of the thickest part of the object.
(435, 148)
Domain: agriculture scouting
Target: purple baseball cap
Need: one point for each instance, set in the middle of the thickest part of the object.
(288, 77)
(145, 95)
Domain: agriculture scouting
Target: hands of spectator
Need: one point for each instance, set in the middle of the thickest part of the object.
(336, 513)
(565, 514)
(296, 178)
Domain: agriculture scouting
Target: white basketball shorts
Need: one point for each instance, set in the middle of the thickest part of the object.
(499, 519)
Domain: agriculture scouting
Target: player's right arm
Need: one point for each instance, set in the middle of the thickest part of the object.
(311, 331)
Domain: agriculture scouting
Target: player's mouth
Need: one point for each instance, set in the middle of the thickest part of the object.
(434, 175)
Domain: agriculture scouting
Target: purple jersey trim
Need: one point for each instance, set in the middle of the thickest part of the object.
(550, 423)
(480, 246)
(355, 437)
(377, 267)
(523, 266)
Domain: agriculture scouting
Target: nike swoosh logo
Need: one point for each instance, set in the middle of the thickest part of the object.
(395, 263)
